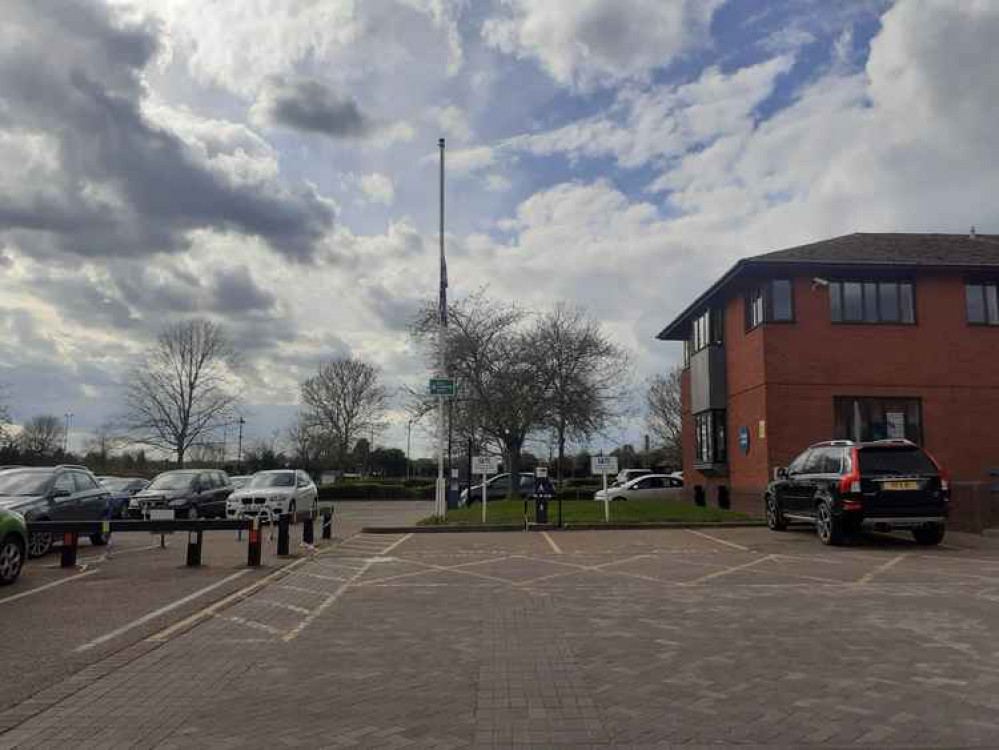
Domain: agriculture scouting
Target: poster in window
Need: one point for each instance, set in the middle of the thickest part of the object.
(896, 424)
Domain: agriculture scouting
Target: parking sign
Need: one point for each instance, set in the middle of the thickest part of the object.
(483, 465)
(603, 465)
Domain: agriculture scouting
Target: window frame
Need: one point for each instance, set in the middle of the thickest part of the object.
(706, 329)
(915, 428)
(758, 304)
(710, 438)
(989, 320)
(872, 287)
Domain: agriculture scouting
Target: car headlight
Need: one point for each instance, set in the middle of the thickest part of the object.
(18, 516)
(179, 501)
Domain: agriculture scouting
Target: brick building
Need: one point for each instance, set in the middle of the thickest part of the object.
(865, 336)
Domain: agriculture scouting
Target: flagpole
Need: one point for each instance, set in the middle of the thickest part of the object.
(440, 498)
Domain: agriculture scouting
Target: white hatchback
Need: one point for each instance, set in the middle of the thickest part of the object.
(648, 487)
(278, 491)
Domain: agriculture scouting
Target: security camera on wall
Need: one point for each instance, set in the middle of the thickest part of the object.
(817, 282)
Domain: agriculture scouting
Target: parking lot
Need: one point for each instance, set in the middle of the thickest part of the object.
(637, 639)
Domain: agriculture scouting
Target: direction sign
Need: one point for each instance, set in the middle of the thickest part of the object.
(483, 465)
(603, 465)
(540, 471)
(442, 387)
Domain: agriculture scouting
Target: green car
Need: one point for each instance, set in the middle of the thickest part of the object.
(13, 543)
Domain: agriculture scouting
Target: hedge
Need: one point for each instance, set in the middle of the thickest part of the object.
(375, 491)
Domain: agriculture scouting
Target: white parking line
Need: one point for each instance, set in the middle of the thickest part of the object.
(111, 555)
(161, 611)
(47, 586)
(882, 568)
(551, 543)
(720, 541)
(734, 569)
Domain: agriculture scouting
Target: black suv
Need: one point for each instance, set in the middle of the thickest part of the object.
(54, 493)
(189, 493)
(842, 486)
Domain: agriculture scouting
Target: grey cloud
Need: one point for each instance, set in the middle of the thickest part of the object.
(311, 106)
(235, 291)
(396, 313)
(123, 186)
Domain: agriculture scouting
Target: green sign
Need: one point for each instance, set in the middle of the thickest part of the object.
(442, 387)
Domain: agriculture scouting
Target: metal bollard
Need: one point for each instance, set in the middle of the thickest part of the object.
(284, 523)
(193, 549)
(308, 531)
(253, 548)
(327, 524)
(69, 543)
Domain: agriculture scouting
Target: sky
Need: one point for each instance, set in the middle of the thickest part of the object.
(272, 165)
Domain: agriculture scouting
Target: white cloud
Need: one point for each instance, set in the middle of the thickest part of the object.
(452, 122)
(378, 188)
(497, 183)
(588, 42)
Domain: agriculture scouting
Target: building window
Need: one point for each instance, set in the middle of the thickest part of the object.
(706, 330)
(889, 302)
(982, 303)
(709, 437)
(864, 418)
(772, 302)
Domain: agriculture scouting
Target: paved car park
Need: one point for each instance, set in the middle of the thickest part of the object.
(637, 639)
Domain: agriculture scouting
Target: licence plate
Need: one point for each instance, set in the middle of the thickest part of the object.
(900, 486)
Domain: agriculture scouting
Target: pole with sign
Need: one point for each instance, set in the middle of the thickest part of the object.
(604, 465)
(484, 465)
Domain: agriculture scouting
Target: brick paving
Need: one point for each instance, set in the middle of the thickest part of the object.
(650, 639)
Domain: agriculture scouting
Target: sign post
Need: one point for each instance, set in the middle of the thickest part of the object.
(442, 387)
(484, 465)
(604, 465)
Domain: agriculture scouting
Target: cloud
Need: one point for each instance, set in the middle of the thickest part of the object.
(235, 291)
(104, 179)
(585, 43)
(311, 106)
(378, 188)
(451, 121)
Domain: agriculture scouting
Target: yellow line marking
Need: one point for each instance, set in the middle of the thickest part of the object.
(47, 586)
(551, 543)
(248, 623)
(720, 541)
(431, 568)
(735, 569)
(868, 577)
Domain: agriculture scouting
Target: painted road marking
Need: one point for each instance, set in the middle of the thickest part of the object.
(47, 586)
(551, 543)
(111, 555)
(868, 577)
(720, 541)
(734, 569)
(161, 611)
(210, 610)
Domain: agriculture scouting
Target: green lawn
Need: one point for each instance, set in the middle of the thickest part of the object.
(591, 511)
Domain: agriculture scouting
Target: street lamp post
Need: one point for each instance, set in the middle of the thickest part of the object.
(239, 450)
(409, 437)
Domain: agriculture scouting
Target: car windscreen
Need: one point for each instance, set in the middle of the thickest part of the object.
(892, 461)
(117, 485)
(172, 482)
(284, 479)
(13, 483)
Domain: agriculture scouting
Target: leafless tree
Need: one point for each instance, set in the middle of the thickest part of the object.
(586, 372)
(665, 408)
(305, 441)
(42, 435)
(4, 415)
(344, 400)
(184, 389)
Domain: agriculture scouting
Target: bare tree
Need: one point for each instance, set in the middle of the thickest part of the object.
(665, 408)
(42, 435)
(4, 415)
(344, 400)
(305, 441)
(184, 389)
(586, 372)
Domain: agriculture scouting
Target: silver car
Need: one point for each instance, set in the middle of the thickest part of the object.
(648, 487)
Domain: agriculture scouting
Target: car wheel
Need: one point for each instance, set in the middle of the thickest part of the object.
(619, 497)
(929, 535)
(39, 543)
(99, 539)
(11, 559)
(775, 519)
(829, 527)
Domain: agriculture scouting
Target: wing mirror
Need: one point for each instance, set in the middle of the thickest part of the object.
(60, 493)
(780, 473)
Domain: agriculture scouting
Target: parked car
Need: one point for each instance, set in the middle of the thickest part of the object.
(647, 487)
(279, 491)
(13, 545)
(497, 488)
(626, 475)
(843, 486)
(189, 493)
(53, 493)
(240, 481)
(122, 489)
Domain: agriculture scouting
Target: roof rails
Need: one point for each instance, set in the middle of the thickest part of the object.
(894, 441)
(70, 466)
(833, 443)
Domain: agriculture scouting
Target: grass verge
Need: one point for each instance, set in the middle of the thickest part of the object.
(588, 511)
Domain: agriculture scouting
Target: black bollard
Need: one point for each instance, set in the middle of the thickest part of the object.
(193, 549)
(253, 548)
(284, 522)
(327, 524)
(69, 542)
(308, 531)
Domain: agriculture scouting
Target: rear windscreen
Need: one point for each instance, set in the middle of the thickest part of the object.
(895, 461)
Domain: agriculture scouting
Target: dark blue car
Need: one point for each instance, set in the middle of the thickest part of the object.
(122, 489)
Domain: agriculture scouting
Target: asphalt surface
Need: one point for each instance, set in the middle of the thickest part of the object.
(55, 621)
